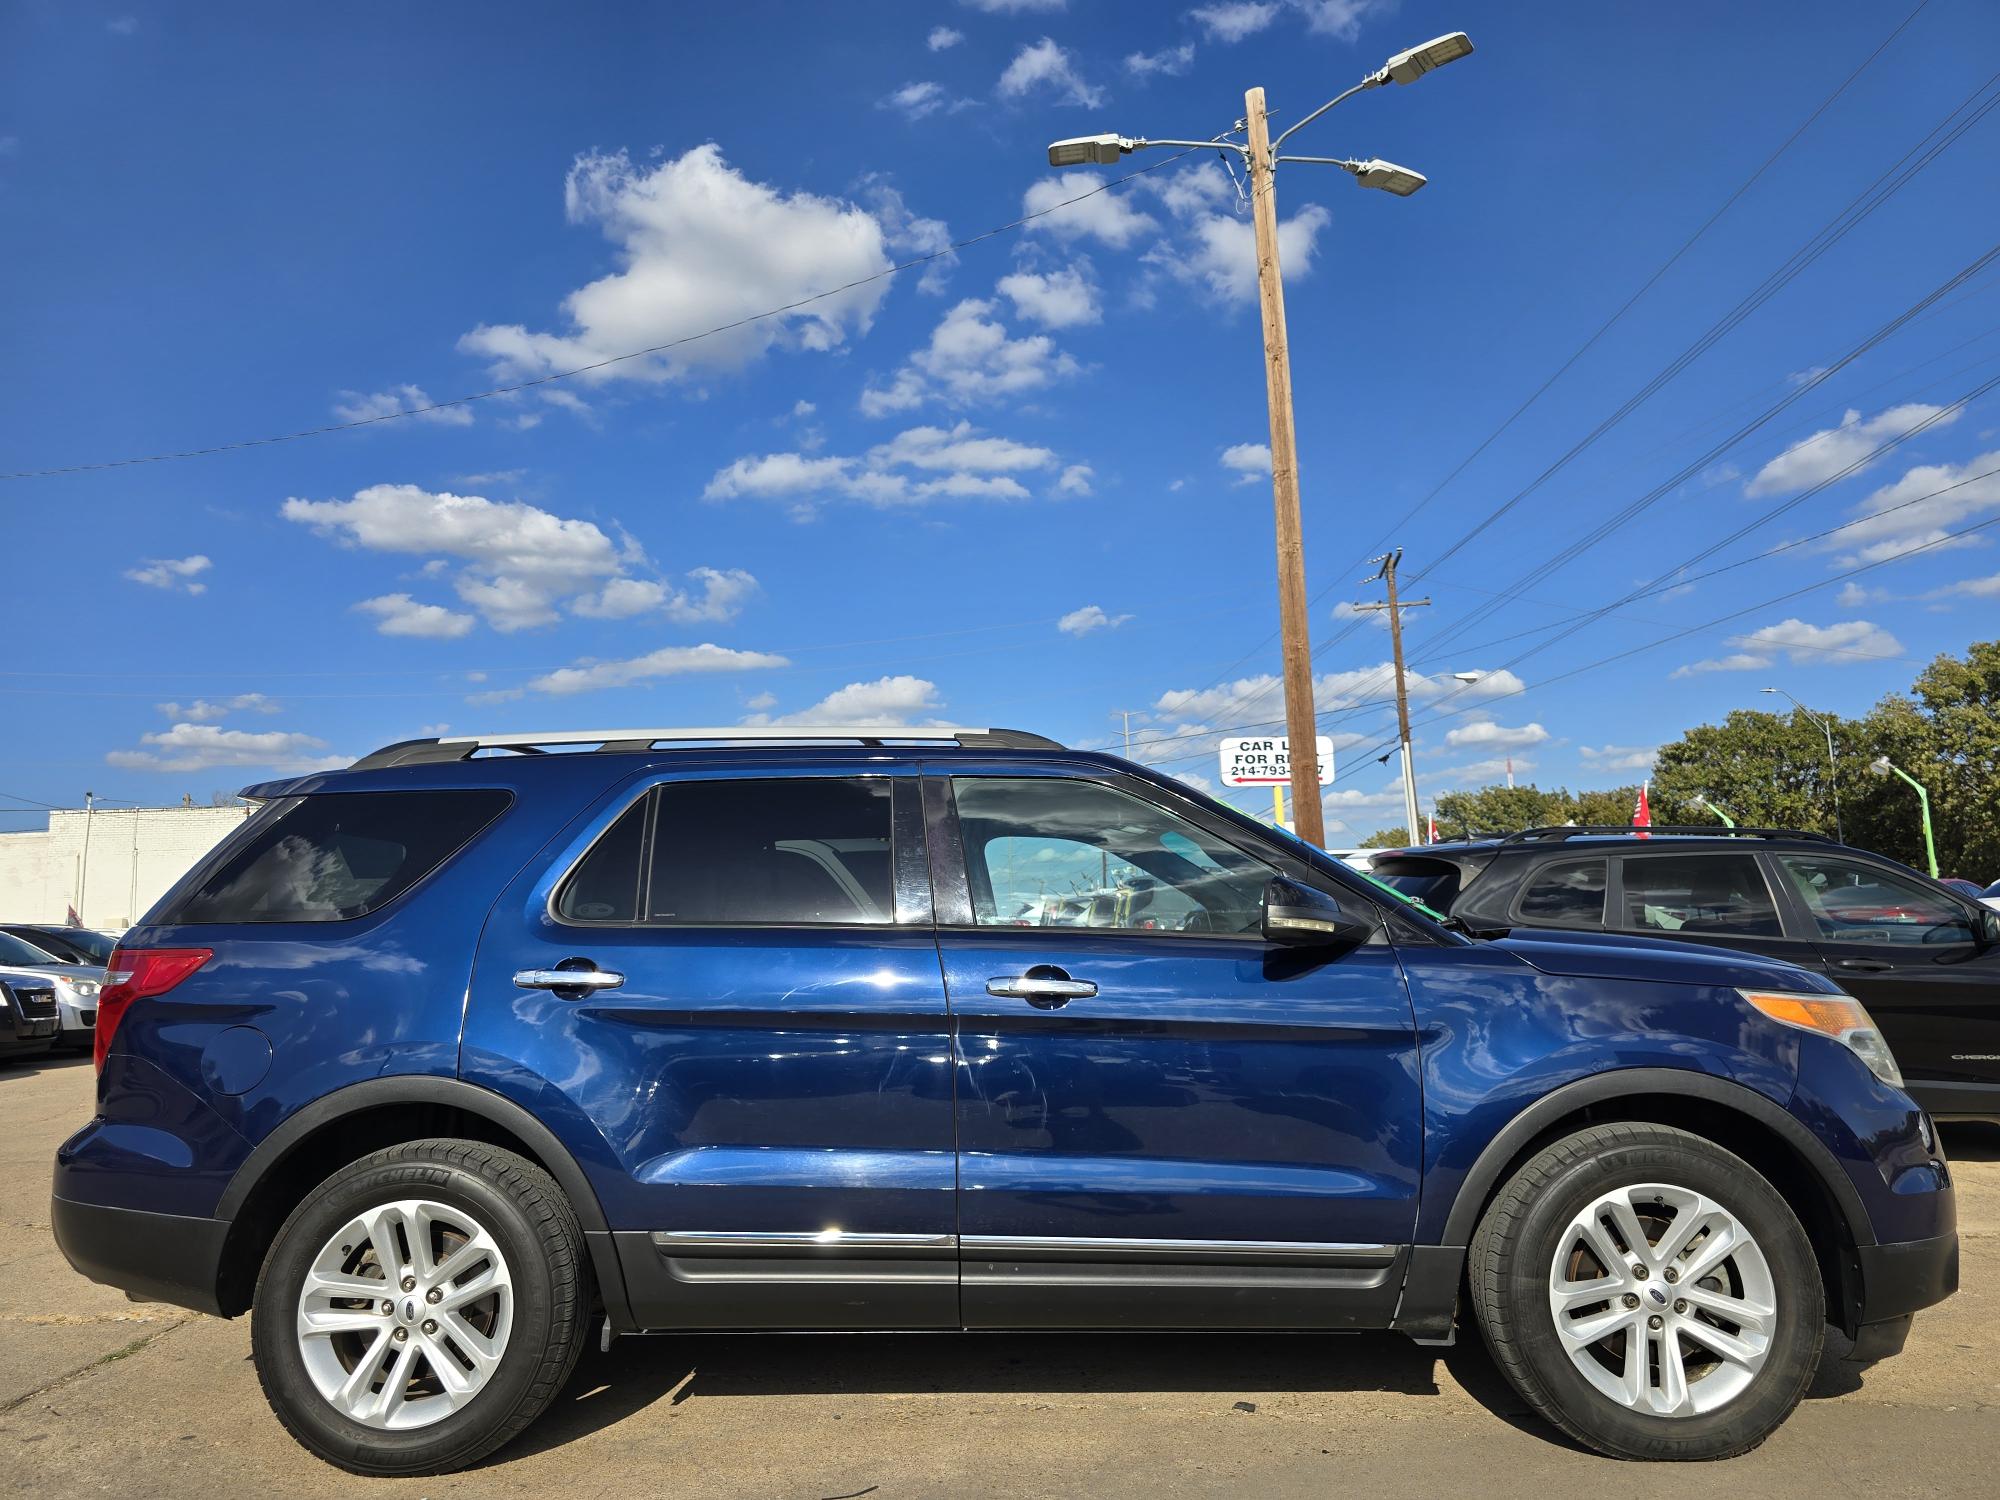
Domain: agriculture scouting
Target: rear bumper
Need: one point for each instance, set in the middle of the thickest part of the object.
(151, 1257)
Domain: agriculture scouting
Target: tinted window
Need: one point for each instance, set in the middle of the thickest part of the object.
(1570, 894)
(801, 850)
(604, 887)
(1718, 893)
(1856, 903)
(15, 950)
(72, 945)
(337, 855)
(1429, 881)
(1044, 852)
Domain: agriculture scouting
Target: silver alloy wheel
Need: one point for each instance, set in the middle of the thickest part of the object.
(1663, 1300)
(405, 1314)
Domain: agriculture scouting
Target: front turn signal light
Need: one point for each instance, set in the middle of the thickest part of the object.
(1840, 1017)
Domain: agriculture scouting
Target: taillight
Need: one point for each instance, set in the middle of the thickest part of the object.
(137, 974)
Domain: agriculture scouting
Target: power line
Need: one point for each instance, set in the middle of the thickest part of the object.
(615, 359)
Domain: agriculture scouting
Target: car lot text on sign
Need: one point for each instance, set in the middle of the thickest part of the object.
(1267, 761)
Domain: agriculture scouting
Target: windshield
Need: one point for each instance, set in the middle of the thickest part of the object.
(14, 951)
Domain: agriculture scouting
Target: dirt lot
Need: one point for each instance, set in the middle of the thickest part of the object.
(105, 1397)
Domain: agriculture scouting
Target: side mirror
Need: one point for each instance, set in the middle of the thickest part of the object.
(1301, 917)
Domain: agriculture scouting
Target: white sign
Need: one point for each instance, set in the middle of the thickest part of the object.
(1268, 762)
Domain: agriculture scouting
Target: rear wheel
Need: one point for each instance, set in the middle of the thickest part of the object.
(420, 1308)
(1649, 1293)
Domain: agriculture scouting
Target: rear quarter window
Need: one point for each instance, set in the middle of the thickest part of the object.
(335, 856)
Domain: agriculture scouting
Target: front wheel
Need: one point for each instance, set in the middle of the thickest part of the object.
(420, 1308)
(1649, 1293)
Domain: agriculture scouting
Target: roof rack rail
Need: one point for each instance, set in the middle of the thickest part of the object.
(632, 741)
(1563, 831)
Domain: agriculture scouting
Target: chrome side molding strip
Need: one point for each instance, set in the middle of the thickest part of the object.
(804, 1239)
(992, 1246)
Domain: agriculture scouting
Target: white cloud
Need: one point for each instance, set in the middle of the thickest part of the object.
(1054, 299)
(1346, 610)
(1260, 699)
(1838, 644)
(1250, 462)
(1815, 459)
(1076, 479)
(719, 594)
(182, 573)
(669, 661)
(885, 701)
(1044, 68)
(1844, 644)
(353, 406)
(399, 614)
(122, 25)
(1618, 757)
(1090, 617)
(1108, 217)
(918, 465)
(970, 359)
(1898, 516)
(197, 747)
(520, 560)
(1485, 734)
(1233, 21)
(942, 37)
(201, 711)
(909, 233)
(1014, 7)
(1219, 252)
(1340, 19)
(1971, 588)
(914, 101)
(1169, 62)
(698, 245)
(1853, 596)
(1742, 661)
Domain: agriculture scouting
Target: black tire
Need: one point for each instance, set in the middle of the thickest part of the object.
(1513, 1254)
(524, 1210)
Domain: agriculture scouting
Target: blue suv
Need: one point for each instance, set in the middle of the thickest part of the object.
(449, 1056)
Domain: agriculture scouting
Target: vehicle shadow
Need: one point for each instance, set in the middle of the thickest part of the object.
(44, 1062)
(1970, 1140)
(638, 1372)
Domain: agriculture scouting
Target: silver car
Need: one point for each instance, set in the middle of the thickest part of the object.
(76, 986)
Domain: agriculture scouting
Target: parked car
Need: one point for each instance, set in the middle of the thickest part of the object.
(76, 986)
(73, 945)
(1924, 959)
(445, 1060)
(1970, 888)
(1991, 895)
(27, 1014)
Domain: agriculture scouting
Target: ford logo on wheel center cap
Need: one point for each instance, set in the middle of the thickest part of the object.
(1658, 1295)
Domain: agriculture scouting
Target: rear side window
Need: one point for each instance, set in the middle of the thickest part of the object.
(1433, 882)
(1568, 894)
(794, 852)
(335, 856)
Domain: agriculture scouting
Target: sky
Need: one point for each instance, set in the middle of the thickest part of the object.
(1020, 482)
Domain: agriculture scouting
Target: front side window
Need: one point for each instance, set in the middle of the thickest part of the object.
(334, 856)
(1568, 894)
(1723, 894)
(1051, 852)
(1855, 903)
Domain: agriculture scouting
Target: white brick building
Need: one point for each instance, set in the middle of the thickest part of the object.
(111, 864)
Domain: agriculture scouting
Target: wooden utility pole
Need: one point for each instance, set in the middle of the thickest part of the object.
(1301, 722)
(1396, 607)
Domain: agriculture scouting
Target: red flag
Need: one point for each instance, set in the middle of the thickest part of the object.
(74, 919)
(1642, 811)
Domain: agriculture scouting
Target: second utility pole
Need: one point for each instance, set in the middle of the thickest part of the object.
(1396, 608)
(1301, 723)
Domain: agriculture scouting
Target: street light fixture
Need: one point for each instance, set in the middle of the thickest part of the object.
(1881, 766)
(1259, 155)
(1832, 767)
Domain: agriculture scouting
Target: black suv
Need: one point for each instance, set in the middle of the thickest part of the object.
(1924, 959)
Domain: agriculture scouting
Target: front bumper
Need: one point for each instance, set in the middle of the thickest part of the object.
(152, 1257)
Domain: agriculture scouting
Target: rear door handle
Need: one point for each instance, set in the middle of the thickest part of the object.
(586, 980)
(1044, 986)
(1864, 965)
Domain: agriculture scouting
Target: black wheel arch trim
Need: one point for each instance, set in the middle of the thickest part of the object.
(375, 1093)
(1483, 1178)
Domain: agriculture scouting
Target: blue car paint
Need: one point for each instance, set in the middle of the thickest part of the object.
(773, 1078)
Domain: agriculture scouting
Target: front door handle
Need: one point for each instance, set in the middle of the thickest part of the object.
(584, 981)
(1864, 965)
(1045, 987)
